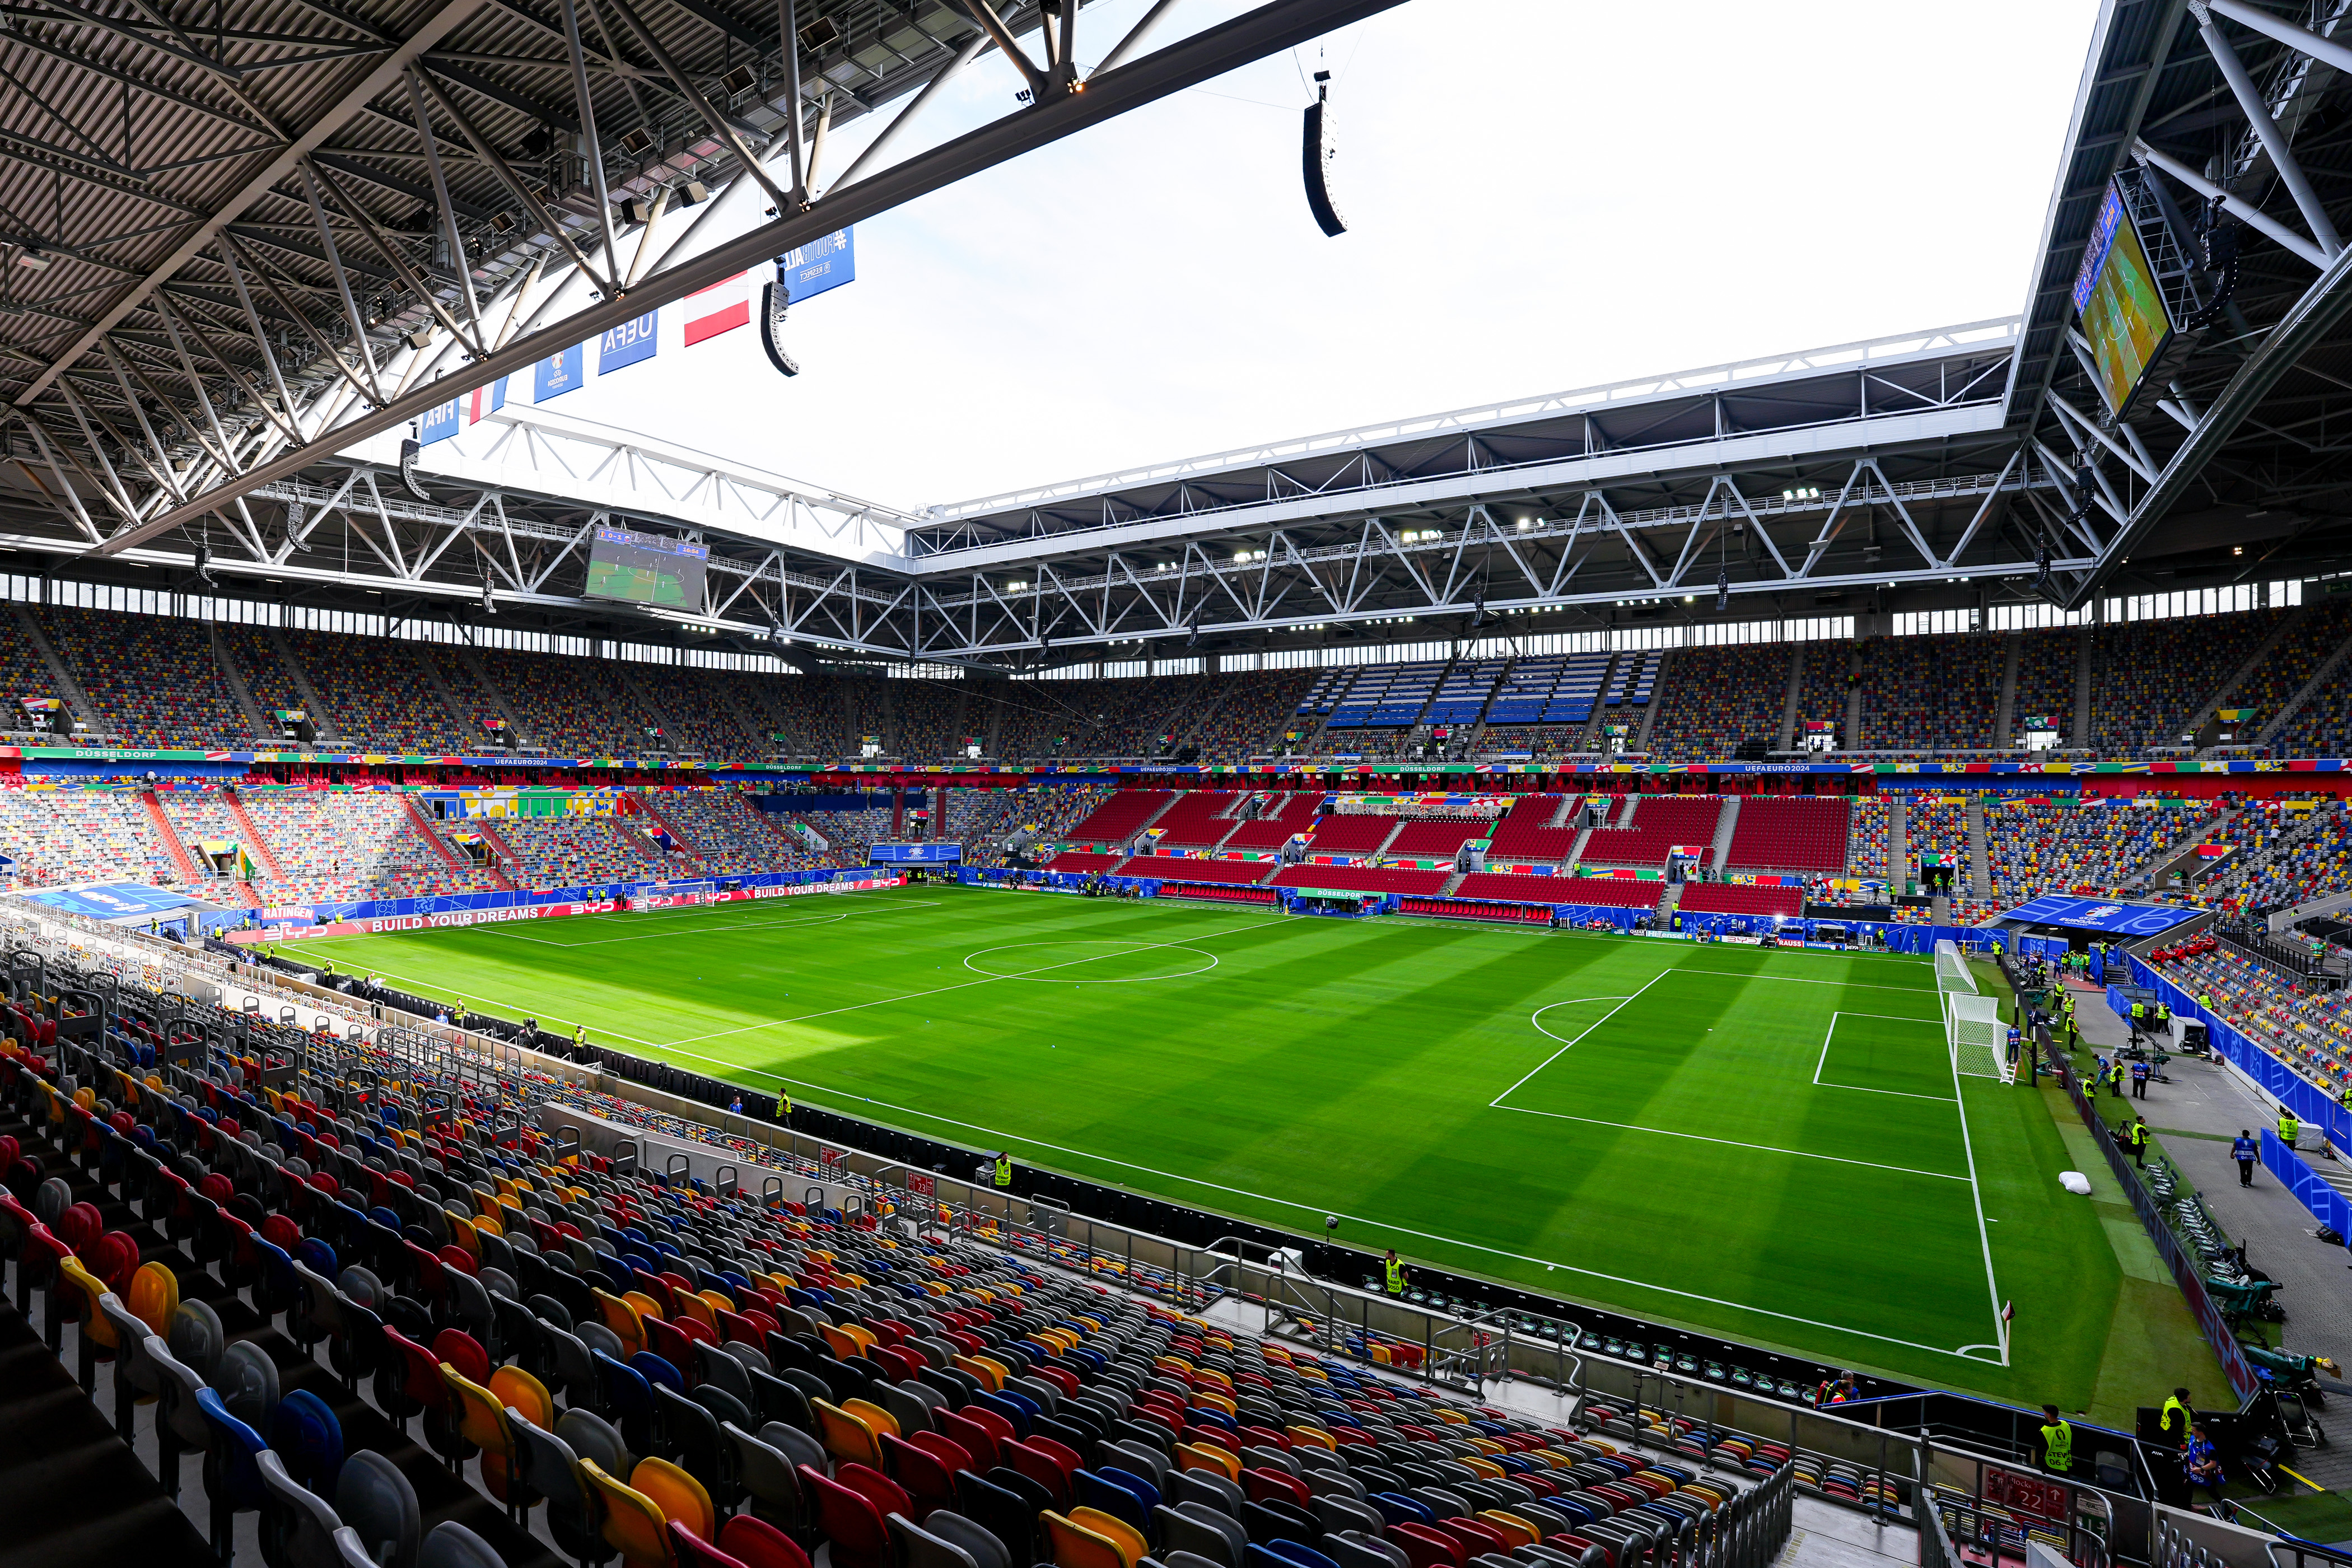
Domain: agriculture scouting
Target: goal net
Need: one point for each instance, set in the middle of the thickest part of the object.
(1953, 976)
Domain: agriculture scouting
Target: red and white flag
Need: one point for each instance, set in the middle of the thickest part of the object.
(721, 308)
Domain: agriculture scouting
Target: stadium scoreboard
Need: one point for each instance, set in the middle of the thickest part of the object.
(645, 569)
(939, 853)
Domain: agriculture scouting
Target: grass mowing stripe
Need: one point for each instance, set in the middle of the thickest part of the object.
(1348, 1067)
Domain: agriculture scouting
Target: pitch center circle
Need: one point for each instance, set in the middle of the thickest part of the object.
(1094, 961)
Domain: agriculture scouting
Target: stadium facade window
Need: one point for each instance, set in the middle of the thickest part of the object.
(1176, 665)
(922, 672)
(2035, 617)
(1935, 623)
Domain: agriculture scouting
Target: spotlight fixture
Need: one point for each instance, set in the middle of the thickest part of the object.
(633, 211)
(637, 142)
(489, 605)
(737, 81)
(33, 259)
(694, 192)
(820, 34)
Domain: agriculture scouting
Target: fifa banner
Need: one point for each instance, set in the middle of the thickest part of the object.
(440, 424)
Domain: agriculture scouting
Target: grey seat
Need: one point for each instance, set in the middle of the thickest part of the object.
(375, 1499)
(1329, 1483)
(801, 1447)
(908, 1407)
(753, 1358)
(976, 1540)
(350, 1552)
(1183, 1533)
(766, 1473)
(918, 1548)
(1145, 1460)
(1207, 1489)
(136, 1375)
(298, 1528)
(197, 1337)
(570, 1369)
(451, 1545)
(1227, 1525)
(1263, 1458)
(469, 1303)
(591, 1437)
(361, 1286)
(1345, 1513)
(724, 1371)
(597, 1337)
(247, 1381)
(1373, 1541)
(546, 1464)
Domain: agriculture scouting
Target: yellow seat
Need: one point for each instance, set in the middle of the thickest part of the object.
(518, 1391)
(645, 1305)
(1313, 1437)
(991, 1375)
(1206, 1457)
(1487, 1469)
(482, 1422)
(690, 1305)
(1125, 1536)
(844, 1436)
(680, 1496)
(634, 1525)
(874, 1415)
(155, 1297)
(1202, 1400)
(718, 1300)
(1073, 1545)
(461, 1234)
(1516, 1531)
(88, 1287)
(622, 1318)
(1002, 1372)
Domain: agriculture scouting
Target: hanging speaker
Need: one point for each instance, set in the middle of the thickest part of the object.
(409, 447)
(774, 299)
(1315, 152)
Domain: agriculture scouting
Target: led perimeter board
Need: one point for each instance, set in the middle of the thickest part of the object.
(2123, 312)
(647, 569)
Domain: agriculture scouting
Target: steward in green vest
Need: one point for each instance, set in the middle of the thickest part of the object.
(2057, 1442)
(1392, 1273)
(1004, 1170)
(2288, 1127)
(2178, 1418)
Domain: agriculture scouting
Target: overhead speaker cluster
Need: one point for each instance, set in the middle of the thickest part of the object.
(1315, 152)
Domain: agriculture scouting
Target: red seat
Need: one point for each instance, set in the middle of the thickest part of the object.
(1427, 1548)
(1045, 1469)
(971, 1436)
(921, 1473)
(848, 1521)
(1259, 1485)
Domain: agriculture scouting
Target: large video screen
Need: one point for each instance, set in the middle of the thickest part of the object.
(2116, 294)
(647, 569)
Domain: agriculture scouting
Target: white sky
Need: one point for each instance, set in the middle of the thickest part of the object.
(1542, 194)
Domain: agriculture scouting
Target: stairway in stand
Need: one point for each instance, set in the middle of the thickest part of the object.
(685, 845)
(263, 856)
(507, 865)
(169, 836)
(431, 832)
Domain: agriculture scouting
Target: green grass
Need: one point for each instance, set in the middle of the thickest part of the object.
(1771, 1146)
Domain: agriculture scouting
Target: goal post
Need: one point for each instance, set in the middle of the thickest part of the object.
(1978, 1037)
(1973, 1028)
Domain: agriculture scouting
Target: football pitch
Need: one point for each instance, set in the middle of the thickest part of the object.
(1770, 1146)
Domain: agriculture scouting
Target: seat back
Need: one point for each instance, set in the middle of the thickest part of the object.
(375, 1499)
(633, 1525)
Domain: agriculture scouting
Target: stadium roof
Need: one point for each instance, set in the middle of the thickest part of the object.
(228, 289)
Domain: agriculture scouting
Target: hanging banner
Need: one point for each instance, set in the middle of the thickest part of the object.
(559, 374)
(628, 342)
(820, 265)
(440, 423)
(486, 400)
(721, 308)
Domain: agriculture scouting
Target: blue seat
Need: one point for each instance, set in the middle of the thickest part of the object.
(628, 1400)
(309, 1439)
(1397, 1508)
(1011, 1411)
(232, 1468)
(657, 1369)
(1099, 1491)
(1140, 1485)
(1286, 1554)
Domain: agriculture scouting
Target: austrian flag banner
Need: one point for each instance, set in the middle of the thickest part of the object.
(721, 308)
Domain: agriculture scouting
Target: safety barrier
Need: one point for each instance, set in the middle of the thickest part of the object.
(2326, 1205)
(2185, 1271)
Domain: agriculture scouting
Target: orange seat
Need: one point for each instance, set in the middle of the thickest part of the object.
(846, 1437)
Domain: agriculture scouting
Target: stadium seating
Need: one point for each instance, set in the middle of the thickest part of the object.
(1182, 869)
(927, 722)
(59, 836)
(577, 851)
(703, 710)
(1929, 694)
(1867, 841)
(846, 835)
(150, 680)
(1387, 696)
(723, 833)
(1283, 816)
(772, 1380)
(574, 707)
(1120, 817)
(1660, 822)
(1085, 863)
(2096, 844)
(1939, 826)
(1439, 837)
(1252, 712)
(374, 696)
(1524, 834)
(1363, 880)
(1735, 898)
(2289, 850)
(1804, 833)
(1608, 893)
(1715, 699)
(2046, 679)
(2151, 677)
(201, 815)
(1350, 834)
(1195, 819)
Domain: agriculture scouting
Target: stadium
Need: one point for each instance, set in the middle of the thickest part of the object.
(1463, 1024)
